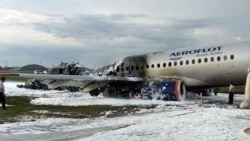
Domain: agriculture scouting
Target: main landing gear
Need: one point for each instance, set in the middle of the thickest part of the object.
(246, 102)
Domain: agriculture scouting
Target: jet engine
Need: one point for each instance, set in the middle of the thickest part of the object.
(171, 90)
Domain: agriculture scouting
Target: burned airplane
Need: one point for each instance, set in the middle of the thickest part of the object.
(170, 74)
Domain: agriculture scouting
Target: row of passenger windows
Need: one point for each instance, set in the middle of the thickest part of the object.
(181, 63)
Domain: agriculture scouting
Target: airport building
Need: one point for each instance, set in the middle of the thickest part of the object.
(34, 67)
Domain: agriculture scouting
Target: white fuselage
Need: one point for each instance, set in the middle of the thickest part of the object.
(207, 66)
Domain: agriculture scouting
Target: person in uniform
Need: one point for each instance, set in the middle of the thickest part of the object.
(2, 92)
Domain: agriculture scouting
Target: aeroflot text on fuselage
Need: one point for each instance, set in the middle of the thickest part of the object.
(196, 51)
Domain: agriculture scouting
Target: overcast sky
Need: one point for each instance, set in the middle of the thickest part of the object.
(99, 32)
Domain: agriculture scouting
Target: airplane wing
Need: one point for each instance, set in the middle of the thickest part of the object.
(86, 82)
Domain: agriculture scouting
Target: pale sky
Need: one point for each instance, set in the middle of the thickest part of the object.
(99, 32)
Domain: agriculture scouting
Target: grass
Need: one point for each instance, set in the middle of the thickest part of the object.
(238, 89)
(13, 75)
(16, 79)
(21, 107)
(21, 104)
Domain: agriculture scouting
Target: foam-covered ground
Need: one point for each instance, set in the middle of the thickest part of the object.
(178, 121)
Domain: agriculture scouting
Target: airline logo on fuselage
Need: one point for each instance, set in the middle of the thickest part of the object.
(199, 52)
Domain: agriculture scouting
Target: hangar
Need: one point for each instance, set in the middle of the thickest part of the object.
(34, 67)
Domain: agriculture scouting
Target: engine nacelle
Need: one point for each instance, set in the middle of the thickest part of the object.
(171, 90)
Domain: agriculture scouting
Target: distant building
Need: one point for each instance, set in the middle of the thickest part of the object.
(14, 68)
(34, 67)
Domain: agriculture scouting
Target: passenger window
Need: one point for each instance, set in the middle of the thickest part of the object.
(199, 60)
(158, 65)
(137, 68)
(225, 58)
(164, 65)
(205, 60)
(132, 67)
(187, 62)
(218, 58)
(175, 63)
(118, 69)
(212, 59)
(232, 57)
(169, 64)
(193, 61)
(181, 63)
(152, 66)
